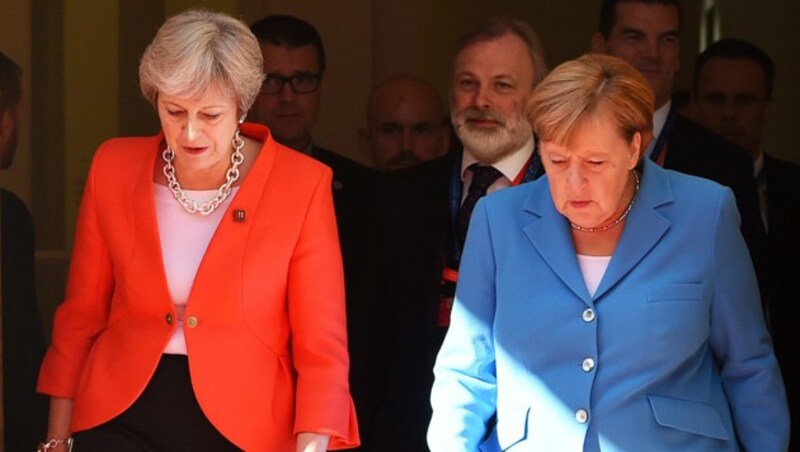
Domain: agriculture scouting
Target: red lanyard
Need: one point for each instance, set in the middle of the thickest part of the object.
(450, 275)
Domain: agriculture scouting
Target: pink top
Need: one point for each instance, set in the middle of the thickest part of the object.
(184, 239)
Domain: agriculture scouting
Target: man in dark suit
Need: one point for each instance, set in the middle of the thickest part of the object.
(732, 96)
(428, 208)
(645, 33)
(405, 124)
(24, 411)
(294, 65)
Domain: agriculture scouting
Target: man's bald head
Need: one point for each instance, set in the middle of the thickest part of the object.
(405, 123)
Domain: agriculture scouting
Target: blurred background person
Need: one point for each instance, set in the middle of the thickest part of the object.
(208, 250)
(288, 103)
(495, 68)
(733, 97)
(405, 124)
(22, 411)
(609, 305)
(646, 34)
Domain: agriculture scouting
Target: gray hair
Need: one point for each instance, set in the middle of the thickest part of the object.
(197, 49)
(500, 26)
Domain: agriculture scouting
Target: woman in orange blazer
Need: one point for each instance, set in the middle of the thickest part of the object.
(202, 325)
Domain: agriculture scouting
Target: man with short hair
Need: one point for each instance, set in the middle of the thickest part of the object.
(294, 66)
(24, 413)
(732, 96)
(405, 124)
(645, 33)
(494, 72)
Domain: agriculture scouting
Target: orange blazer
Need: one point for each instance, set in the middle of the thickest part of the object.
(267, 347)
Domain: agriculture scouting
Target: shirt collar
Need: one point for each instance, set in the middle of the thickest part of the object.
(758, 164)
(659, 119)
(510, 165)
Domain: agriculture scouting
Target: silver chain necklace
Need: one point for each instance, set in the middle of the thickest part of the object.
(618, 220)
(223, 191)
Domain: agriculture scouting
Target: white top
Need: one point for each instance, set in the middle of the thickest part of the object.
(593, 268)
(184, 239)
(510, 166)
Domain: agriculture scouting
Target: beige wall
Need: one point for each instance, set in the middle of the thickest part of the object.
(15, 28)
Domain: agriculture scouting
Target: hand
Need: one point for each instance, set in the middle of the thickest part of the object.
(312, 442)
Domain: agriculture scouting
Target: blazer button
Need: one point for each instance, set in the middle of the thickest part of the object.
(587, 365)
(588, 315)
(582, 416)
(169, 319)
(192, 321)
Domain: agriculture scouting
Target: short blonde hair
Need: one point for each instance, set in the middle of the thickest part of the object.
(590, 85)
(197, 49)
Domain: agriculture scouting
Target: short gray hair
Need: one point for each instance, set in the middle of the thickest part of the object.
(197, 49)
(499, 26)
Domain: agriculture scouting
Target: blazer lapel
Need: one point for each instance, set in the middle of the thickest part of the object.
(148, 249)
(644, 227)
(549, 235)
(229, 241)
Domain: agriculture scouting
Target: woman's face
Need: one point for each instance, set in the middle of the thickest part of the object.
(200, 131)
(590, 176)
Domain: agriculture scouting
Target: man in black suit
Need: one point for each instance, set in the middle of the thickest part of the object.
(294, 65)
(428, 208)
(24, 411)
(732, 96)
(645, 33)
(405, 124)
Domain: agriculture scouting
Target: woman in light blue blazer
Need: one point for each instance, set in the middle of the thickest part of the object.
(609, 306)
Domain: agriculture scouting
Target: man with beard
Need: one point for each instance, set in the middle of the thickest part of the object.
(404, 124)
(645, 33)
(428, 209)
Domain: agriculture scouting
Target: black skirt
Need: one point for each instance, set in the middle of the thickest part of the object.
(165, 418)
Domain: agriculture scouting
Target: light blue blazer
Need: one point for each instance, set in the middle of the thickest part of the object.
(670, 354)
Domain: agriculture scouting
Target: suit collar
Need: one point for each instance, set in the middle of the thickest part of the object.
(149, 254)
(550, 235)
(229, 242)
(229, 236)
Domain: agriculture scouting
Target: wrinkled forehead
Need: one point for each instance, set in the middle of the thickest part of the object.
(505, 55)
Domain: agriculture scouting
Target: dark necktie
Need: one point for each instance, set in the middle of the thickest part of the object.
(482, 178)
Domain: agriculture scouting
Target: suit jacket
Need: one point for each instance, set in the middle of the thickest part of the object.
(695, 150)
(356, 198)
(783, 216)
(419, 216)
(671, 352)
(418, 231)
(25, 412)
(267, 349)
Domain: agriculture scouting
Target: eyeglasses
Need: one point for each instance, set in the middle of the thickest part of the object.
(302, 83)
